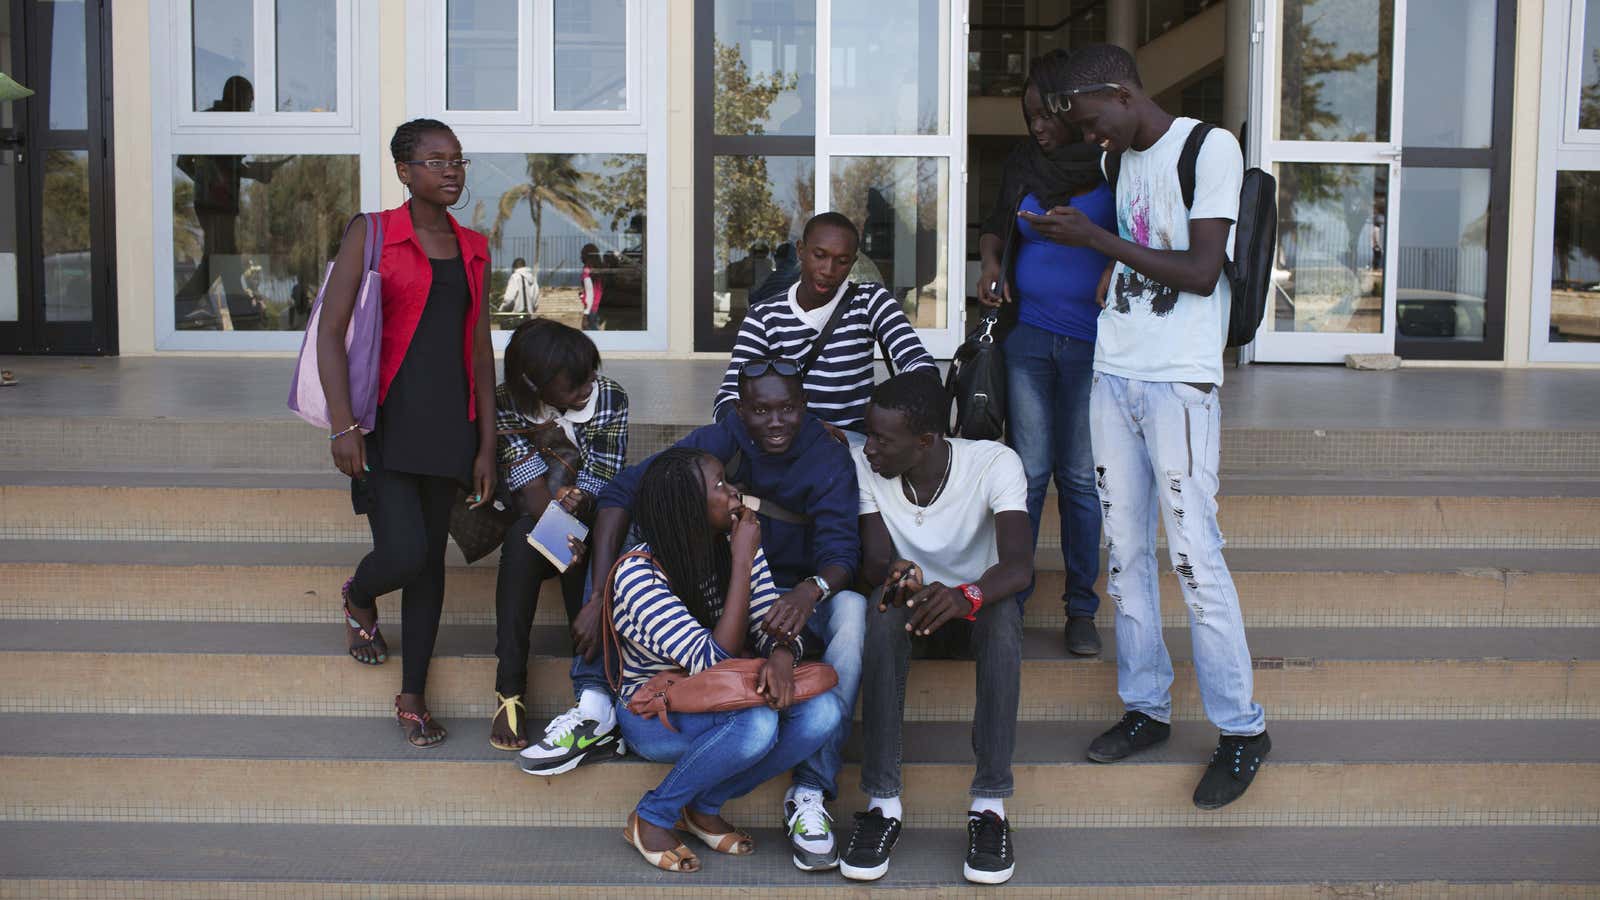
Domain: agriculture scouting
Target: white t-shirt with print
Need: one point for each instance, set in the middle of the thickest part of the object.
(1149, 331)
(955, 543)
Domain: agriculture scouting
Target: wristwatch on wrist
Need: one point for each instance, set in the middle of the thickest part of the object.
(822, 585)
(975, 597)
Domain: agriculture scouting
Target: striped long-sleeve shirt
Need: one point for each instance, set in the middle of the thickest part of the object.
(839, 384)
(660, 634)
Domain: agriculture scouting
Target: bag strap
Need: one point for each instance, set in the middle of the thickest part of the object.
(768, 508)
(372, 255)
(1189, 159)
(609, 639)
(826, 334)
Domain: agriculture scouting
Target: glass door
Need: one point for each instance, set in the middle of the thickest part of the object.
(55, 259)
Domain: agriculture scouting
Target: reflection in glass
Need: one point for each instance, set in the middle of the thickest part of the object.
(760, 203)
(63, 31)
(764, 67)
(64, 229)
(591, 64)
(1331, 237)
(1336, 70)
(1575, 267)
(1450, 48)
(899, 203)
(252, 236)
(890, 73)
(1444, 255)
(8, 186)
(1589, 101)
(564, 217)
(224, 55)
(480, 54)
(308, 55)
(997, 56)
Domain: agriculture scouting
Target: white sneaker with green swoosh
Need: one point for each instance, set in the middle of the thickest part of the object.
(569, 741)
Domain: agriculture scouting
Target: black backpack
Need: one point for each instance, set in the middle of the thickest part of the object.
(1255, 241)
(977, 383)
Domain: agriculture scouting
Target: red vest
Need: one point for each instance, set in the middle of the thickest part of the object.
(407, 277)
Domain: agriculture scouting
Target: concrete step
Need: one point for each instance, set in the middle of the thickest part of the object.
(302, 669)
(189, 581)
(361, 772)
(253, 509)
(278, 862)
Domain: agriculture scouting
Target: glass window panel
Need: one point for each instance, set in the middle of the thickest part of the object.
(1575, 267)
(8, 186)
(63, 25)
(563, 215)
(224, 55)
(1450, 50)
(1335, 70)
(1589, 101)
(1444, 256)
(591, 50)
(764, 68)
(481, 54)
(760, 203)
(308, 55)
(252, 237)
(64, 237)
(1331, 238)
(890, 67)
(900, 204)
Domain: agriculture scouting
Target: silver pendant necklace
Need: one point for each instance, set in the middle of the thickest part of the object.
(916, 501)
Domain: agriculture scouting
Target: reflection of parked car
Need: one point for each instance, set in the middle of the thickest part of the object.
(1438, 314)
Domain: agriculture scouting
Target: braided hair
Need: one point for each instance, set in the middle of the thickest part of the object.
(403, 145)
(539, 351)
(670, 513)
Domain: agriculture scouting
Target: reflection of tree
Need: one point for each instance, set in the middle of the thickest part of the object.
(553, 179)
(873, 191)
(300, 216)
(65, 229)
(621, 194)
(1578, 195)
(745, 210)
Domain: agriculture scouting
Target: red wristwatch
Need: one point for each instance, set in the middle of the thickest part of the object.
(975, 597)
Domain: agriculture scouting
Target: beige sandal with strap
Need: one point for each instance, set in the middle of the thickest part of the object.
(509, 705)
(733, 843)
(678, 859)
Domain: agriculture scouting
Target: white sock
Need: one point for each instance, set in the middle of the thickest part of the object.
(995, 805)
(888, 806)
(596, 705)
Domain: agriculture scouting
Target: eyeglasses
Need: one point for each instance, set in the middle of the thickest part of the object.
(439, 165)
(1059, 102)
(756, 368)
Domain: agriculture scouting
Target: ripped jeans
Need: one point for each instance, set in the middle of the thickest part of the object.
(1156, 451)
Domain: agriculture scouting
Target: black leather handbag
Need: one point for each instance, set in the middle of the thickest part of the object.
(977, 383)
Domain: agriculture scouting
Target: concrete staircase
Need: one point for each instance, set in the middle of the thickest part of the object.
(178, 716)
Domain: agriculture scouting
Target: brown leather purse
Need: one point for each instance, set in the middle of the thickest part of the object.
(728, 685)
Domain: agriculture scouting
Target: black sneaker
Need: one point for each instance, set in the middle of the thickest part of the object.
(866, 857)
(569, 741)
(1135, 732)
(1083, 639)
(1233, 766)
(990, 856)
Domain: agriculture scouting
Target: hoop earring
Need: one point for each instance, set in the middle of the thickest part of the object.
(466, 197)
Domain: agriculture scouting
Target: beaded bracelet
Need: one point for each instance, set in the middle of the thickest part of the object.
(339, 434)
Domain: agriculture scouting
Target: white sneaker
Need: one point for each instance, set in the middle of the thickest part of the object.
(569, 741)
(810, 830)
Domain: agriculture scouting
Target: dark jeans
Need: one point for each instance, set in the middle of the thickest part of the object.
(516, 598)
(409, 518)
(1047, 397)
(995, 640)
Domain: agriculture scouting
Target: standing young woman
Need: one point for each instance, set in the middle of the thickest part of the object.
(700, 599)
(435, 425)
(1050, 350)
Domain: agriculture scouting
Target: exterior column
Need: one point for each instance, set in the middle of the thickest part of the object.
(1122, 24)
(1236, 64)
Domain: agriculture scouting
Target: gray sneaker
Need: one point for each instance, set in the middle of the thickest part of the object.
(810, 830)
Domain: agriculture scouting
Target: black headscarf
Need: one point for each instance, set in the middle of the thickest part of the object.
(1067, 170)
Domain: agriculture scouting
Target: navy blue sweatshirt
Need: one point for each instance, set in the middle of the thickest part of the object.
(815, 478)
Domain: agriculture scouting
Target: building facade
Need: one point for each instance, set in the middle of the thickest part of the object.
(180, 178)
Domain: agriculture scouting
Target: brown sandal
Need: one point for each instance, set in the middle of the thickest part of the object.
(733, 843)
(678, 859)
(417, 733)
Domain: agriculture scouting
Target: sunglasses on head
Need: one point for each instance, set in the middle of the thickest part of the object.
(1059, 102)
(756, 368)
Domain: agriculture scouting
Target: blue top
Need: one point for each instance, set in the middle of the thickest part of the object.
(1055, 284)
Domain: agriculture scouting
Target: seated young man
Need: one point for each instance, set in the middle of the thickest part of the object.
(945, 530)
(839, 379)
(802, 484)
(1155, 411)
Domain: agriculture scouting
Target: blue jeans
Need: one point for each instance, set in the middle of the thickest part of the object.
(840, 624)
(1156, 448)
(587, 675)
(1048, 377)
(724, 755)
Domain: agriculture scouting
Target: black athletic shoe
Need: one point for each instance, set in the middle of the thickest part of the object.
(1135, 732)
(1233, 766)
(866, 857)
(569, 741)
(1083, 639)
(991, 859)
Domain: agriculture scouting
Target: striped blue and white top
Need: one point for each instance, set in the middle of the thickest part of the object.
(839, 384)
(659, 633)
